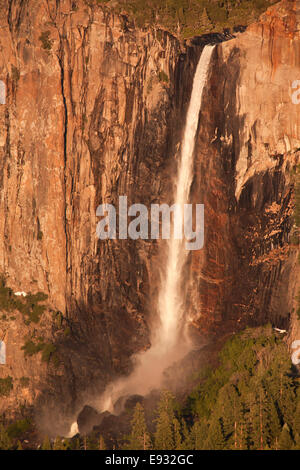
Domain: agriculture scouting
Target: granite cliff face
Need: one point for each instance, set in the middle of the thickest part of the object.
(95, 109)
(247, 150)
(91, 113)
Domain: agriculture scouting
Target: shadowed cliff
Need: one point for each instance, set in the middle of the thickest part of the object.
(95, 109)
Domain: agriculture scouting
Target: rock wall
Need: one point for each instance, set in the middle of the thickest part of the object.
(91, 113)
(248, 148)
(95, 109)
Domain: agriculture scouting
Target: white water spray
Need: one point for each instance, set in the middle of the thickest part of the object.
(170, 297)
(165, 349)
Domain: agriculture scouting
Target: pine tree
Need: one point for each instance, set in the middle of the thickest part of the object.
(243, 425)
(164, 439)
(147, 441)
(229, 407)
(285, 440)
(101, 443)
(187, 438)
(76, 444)
(242, 434)
(177, 434)
(138, 438)
(199, 434)
(261, 429)
(167, 403)
(272, 424)
(59, 444)
(296, 423)
(286, 396)
(5, 441)
(204, 21)
(215, 439)
(19, 446)
(46, 444)
(164, 433)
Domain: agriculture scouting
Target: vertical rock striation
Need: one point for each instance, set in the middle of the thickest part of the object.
(95, 109)
(91, 113)
(248, 146)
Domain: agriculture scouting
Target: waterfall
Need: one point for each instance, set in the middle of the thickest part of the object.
(170, 300)
(165, 349)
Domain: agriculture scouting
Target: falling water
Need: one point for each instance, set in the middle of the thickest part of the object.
(165, 348)
(170, 298)
(151, 364)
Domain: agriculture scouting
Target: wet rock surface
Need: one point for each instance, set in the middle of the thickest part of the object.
(89, 117)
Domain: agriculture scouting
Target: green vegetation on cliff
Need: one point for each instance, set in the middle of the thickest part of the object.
(192, 17)
(48, 350)
(19, 428)
(6, 386)
(30, 306)
(250, 401)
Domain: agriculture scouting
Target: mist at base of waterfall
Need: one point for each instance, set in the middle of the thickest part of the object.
(170, 343)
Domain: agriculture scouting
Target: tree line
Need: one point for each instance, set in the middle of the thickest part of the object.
(250, 401)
